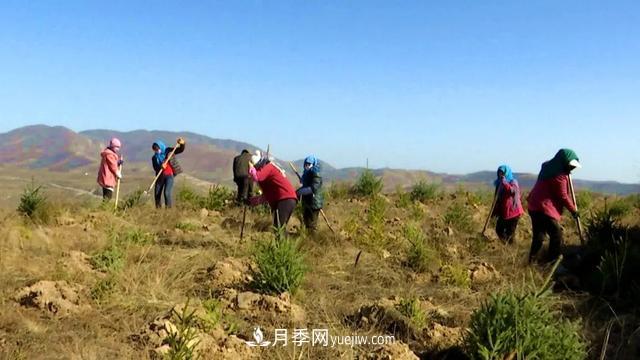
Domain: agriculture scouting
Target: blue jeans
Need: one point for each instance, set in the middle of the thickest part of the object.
(164, 185)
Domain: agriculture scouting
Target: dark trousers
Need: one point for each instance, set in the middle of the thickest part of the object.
(282, 212)
(310, 218)
(107, 194)
(545, 225)
(506, 229)
(245, 188)
(164, 185)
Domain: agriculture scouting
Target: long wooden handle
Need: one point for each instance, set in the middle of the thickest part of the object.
(493, 206)
(573, 197)
(118, 188)
(244, 219)
(295, 171)
(327, 221)
(163, 164)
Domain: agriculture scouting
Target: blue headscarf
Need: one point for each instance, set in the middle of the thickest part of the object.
(315, 165)
(160, 156)
(508, 174)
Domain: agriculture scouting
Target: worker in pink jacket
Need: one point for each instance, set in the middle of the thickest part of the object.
(549, 196)
(109, 171)
(508, 208)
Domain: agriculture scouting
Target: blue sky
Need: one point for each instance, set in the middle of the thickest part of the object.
(456, 86)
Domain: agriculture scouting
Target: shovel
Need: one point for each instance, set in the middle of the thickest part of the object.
(493, 206)
(573, 197)
(118, 188)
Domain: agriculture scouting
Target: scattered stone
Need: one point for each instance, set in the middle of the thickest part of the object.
(204, 213)
(246, 300)
(483, 273)
(441, 337)
(77, 261)
(384, 316)
(55, 297)
(230, 272)
(386, 254)
(449, 231)
(254, 303)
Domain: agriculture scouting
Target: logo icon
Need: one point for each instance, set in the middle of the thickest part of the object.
(258, 336)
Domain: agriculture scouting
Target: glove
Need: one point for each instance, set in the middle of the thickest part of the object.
(119, 174)
(181, 141)
(120, 162)
(575, 214)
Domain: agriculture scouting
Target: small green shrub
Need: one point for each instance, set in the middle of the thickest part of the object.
(416, 212)
(110, 259)
(459, 217)
(133, 236)
(620, 208)
(403, 198)
(420, 256)
(455, 275)
(375, 235)
(523, 325)
(280, 265)
(424, 192)
(376, 211)
(103, 288)
(184, 340)
(367, 184)
(215, 316)
(213, 313)
(338, 191)
(411, 308)
(132, 200)
(217, 198)
(187, 226)
(189, 198)
(584, 199)
(33, 204)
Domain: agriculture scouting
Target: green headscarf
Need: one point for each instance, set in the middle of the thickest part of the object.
(558, 165)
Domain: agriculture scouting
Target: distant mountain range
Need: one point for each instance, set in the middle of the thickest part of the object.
(57, 148)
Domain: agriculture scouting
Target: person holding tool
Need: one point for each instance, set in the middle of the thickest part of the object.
(166, 167)
(549, 196)
(508, 207)
(109, 171)
(310, 193)
(276, 189)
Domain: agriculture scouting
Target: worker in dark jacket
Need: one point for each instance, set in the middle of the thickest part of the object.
(310, 193)
(547, 199)
(241, 176)
(169, 169)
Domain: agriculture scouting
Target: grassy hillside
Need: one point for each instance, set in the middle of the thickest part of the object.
(97, 284)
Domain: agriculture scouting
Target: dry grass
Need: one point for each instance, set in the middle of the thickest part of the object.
(169, 269)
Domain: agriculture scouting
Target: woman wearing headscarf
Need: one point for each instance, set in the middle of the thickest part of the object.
(109, 170)
(169, 169)
(276, 189)
(508, 205)
(546, 201)
(311, 193)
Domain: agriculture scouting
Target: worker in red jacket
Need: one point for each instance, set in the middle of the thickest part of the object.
(549, 196)
(276, 189)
